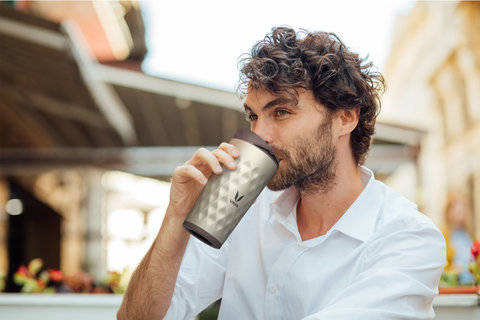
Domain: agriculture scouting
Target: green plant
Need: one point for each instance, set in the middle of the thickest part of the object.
(449, 278)
(35, 279)
(113, 280)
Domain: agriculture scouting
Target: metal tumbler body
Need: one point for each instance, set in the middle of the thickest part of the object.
(227, 197)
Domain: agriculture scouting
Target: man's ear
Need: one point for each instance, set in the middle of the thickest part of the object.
(348, 120)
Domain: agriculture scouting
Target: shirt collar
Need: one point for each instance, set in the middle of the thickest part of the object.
(284, 210)
(357, 222)
(286, 202)
(360, 219)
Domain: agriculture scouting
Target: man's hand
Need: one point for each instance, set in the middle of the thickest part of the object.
(189, 180)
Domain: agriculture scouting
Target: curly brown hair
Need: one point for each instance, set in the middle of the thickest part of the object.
(284, 62)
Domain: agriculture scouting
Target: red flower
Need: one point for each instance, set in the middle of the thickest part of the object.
(22, 271)
(55, 275)
(475, 249)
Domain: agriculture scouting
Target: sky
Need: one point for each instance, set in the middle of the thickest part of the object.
(200, 42)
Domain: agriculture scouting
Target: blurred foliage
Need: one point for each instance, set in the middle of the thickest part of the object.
(474, 266)
(3, 279)
(448, 279)
(450, 275)
(34, 278)
(210, 313)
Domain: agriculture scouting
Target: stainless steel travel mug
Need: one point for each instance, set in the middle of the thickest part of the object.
(227, 196)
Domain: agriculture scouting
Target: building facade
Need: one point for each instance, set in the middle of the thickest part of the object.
(433, 75)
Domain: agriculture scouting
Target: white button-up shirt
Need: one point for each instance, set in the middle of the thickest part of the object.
(381, 260)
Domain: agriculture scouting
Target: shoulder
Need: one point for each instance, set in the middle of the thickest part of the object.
(404, 233)
(399, 212)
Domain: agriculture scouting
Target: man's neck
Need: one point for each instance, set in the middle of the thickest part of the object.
(318, 212)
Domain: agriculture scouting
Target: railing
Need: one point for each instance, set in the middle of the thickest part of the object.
(16, 306)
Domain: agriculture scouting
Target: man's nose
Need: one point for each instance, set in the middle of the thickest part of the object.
(263, 130)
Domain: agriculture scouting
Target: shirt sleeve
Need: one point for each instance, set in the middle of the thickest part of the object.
(200, 280)
(399, 279)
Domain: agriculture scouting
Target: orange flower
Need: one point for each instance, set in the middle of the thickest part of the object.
(55, 275)
(41, 285)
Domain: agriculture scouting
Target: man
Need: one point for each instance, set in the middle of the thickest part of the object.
(335, 243)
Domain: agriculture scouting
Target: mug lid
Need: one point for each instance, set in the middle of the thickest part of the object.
(253, 138)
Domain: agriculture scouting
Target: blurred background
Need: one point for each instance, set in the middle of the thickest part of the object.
(100, 100)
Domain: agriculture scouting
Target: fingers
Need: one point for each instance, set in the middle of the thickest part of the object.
(224, 158)
(230, 149)
(205, 161)
(225, 154)
(186, 172)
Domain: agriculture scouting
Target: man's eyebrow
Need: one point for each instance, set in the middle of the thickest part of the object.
(273, 103)
(246, 107)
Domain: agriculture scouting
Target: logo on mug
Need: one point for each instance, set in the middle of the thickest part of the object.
(237, 199)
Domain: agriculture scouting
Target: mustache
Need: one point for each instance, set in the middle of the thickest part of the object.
(281, 153)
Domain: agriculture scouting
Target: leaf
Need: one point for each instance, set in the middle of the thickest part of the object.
(30, 286)
(49, 290)
(44, 276)
(19, 279)
(35, 265)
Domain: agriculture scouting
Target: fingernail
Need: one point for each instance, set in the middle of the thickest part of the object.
(232, 164)
(218, 169)
(235, 153)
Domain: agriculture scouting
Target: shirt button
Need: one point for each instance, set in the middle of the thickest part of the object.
(274, 289)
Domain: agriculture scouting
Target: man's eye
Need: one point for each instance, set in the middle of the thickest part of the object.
(251, 117)
(281, 112)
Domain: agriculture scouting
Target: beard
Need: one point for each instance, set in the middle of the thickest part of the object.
(310, 165)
